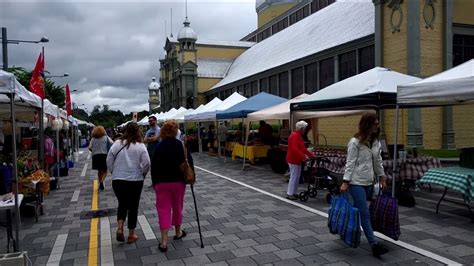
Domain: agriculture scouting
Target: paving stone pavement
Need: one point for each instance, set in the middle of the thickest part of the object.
(240, 226)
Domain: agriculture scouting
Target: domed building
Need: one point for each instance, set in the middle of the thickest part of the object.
(303, 46)
(154, 95)
(191, 66)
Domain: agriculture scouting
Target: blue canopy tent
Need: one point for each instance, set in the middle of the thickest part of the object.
(241, 110)
(255, 103)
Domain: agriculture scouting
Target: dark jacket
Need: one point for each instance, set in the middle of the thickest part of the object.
(169, 154)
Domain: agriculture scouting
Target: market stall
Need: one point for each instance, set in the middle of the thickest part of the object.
(194, 117)
(451, 87)
(282, 112)
(17, 94)
(242, 109)
(373, 89)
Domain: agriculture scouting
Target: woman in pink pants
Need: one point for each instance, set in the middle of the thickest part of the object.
(168, 182)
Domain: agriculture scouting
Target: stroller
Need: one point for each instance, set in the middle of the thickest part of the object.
(317, 176)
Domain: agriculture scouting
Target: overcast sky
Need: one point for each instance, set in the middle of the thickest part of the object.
(111, 49)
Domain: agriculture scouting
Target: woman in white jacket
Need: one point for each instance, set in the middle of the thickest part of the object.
(128, 162)
(364, 163)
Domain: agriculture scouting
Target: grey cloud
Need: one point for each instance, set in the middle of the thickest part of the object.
(113, 47)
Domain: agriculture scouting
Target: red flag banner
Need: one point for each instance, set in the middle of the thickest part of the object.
(68, 100)
(37, 80)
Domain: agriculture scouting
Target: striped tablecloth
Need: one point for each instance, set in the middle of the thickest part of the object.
(457, 178)
(410, 169)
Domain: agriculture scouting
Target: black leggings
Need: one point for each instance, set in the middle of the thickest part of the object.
(128, 194)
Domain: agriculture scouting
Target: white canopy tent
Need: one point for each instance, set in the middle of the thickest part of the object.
(10, 86)
(197, 110)
(194, 116)
(454, 86)
(282, 111)
(143, 121)
(181, 110)
(164, 116)
(230, 101)
(451, 87)
(179, 117)
(373, 89)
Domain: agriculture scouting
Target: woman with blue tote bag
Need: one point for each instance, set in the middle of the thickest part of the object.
(364, 163)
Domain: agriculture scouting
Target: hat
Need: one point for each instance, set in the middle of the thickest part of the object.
(301, 125)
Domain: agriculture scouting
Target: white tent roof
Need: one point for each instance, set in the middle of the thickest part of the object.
(282, 111)
(9, 84)
(232, 100)
(178, 113)
(143, 121)
(50, 108)
(164, 116)
(453, 86)
(362, 90)
(193, 115)
(197, 110)
(180, 117)
(171, 114)
(336, 24)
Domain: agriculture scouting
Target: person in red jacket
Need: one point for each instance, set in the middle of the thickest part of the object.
(297, 153)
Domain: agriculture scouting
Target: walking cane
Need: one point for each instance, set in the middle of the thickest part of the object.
(197, 215)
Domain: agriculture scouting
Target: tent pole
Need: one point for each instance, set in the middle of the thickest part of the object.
(41, 137)
(218, 141)
(199, 138)
(17, 246)
(246, 141)
(394, 167)
(57, 147)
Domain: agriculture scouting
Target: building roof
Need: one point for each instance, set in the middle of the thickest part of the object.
(213, 68)
(218, 43)
(338, 23)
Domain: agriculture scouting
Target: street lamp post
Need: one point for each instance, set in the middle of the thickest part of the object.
(5, 42)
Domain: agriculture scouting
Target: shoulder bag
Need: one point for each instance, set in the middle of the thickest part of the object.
(115, 155)
(185, 168)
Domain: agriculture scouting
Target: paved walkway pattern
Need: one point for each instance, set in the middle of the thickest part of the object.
(241, 225)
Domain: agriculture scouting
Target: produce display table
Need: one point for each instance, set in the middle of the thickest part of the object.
(8, 206)
(253, 152)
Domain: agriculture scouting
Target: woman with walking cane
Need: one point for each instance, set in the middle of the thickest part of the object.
(364, 163)
(169, 182)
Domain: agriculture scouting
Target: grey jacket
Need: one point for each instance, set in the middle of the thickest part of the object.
(362, 162)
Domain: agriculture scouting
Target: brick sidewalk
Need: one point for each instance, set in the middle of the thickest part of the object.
(240, 226)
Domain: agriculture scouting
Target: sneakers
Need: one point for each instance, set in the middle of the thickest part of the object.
(101, 186)
(378, 250)
(292, 197)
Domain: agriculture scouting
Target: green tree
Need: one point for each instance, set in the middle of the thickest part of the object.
(54, 93)
(80, 114)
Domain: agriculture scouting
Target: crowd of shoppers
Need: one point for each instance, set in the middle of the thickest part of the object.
(129, 160)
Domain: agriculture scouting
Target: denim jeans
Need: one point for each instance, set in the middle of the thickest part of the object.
(359, 196)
